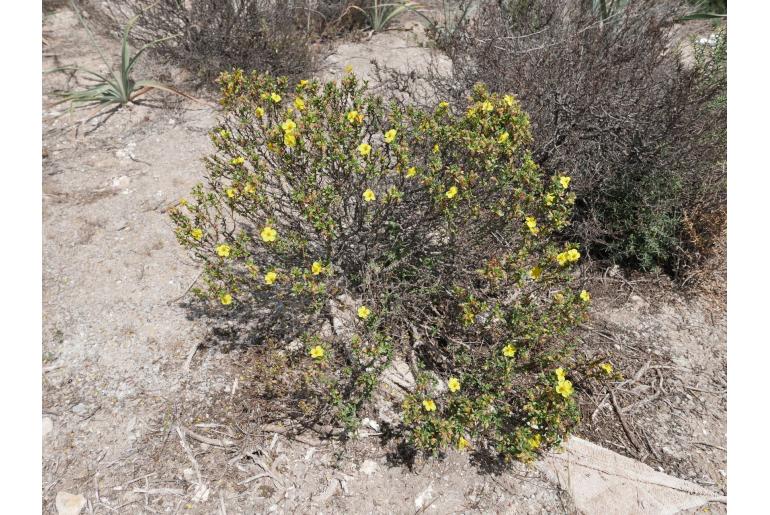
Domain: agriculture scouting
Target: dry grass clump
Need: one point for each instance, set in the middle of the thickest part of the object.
(210, 36)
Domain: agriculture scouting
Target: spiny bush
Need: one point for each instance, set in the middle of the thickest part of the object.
(613, 105)
(214, 35)
(381, 234)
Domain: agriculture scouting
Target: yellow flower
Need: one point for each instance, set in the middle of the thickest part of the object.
(316, 268)
(289, 139)
(486, 106)
(317, 352)
(231, 192)
(535, 273)
(532, 224)
(264, 96)
(224, 133)
(268, 234)
(453, 384)
(197, 233)
(270, 277)
(364, 149)
(237, 160)
(390, 136)
(429, 405)
(564, 388)
(411, 172)
(435, 148)
(564, 181)
(302, 83)
(508, 99)
(275, 97)
(226, 299)
(585, 296)
(559, 374)
(462, 443)
(443, 105)
(348, 68)
(606, 367)
(534, 442)
(259, 112)
(369, 195)
(558, 297)
(288, 126)
(549, 199)
(451, 192)
(355, 117)
(249, 188)
(503, 137)
(223, 250)
(509, 351)
(562, 258)
(183, 202)
(364, 312)
(299, 103)
(573, 255)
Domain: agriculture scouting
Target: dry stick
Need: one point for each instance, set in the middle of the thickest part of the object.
(599, 407)
(642, 402)
(141, 477)
(253, 478)
(713, 392)
(711, 445)
(190, 355)
(223, 442)
(649, 445)
(158, 491)
(186, 291)
(189, 452)
(626, 430)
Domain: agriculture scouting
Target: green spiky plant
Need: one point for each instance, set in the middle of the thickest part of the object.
(455, 14)
(117, 86)
(380, 15)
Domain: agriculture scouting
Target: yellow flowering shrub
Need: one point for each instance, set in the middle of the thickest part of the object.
(438, 227)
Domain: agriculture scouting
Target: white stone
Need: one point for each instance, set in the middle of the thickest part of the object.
(47, 426)
(424, 497)
(120, 182)
(69, 504)
(368, 467)
(189, 475)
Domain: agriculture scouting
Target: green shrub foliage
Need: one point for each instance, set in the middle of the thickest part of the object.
(431, 233)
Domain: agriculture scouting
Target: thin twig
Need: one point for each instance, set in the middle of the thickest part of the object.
(626, 429)
(706, 444)
(217, 442)
(189, 452)
(190, 356)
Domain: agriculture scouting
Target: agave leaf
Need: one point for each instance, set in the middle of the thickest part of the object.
(151, 84)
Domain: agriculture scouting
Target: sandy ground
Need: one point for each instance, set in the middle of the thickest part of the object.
(128, 425)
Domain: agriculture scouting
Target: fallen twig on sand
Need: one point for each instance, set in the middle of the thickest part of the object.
(190, 454)
(626, 429)
(217, 442)
(190, 355)
(159, 491)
